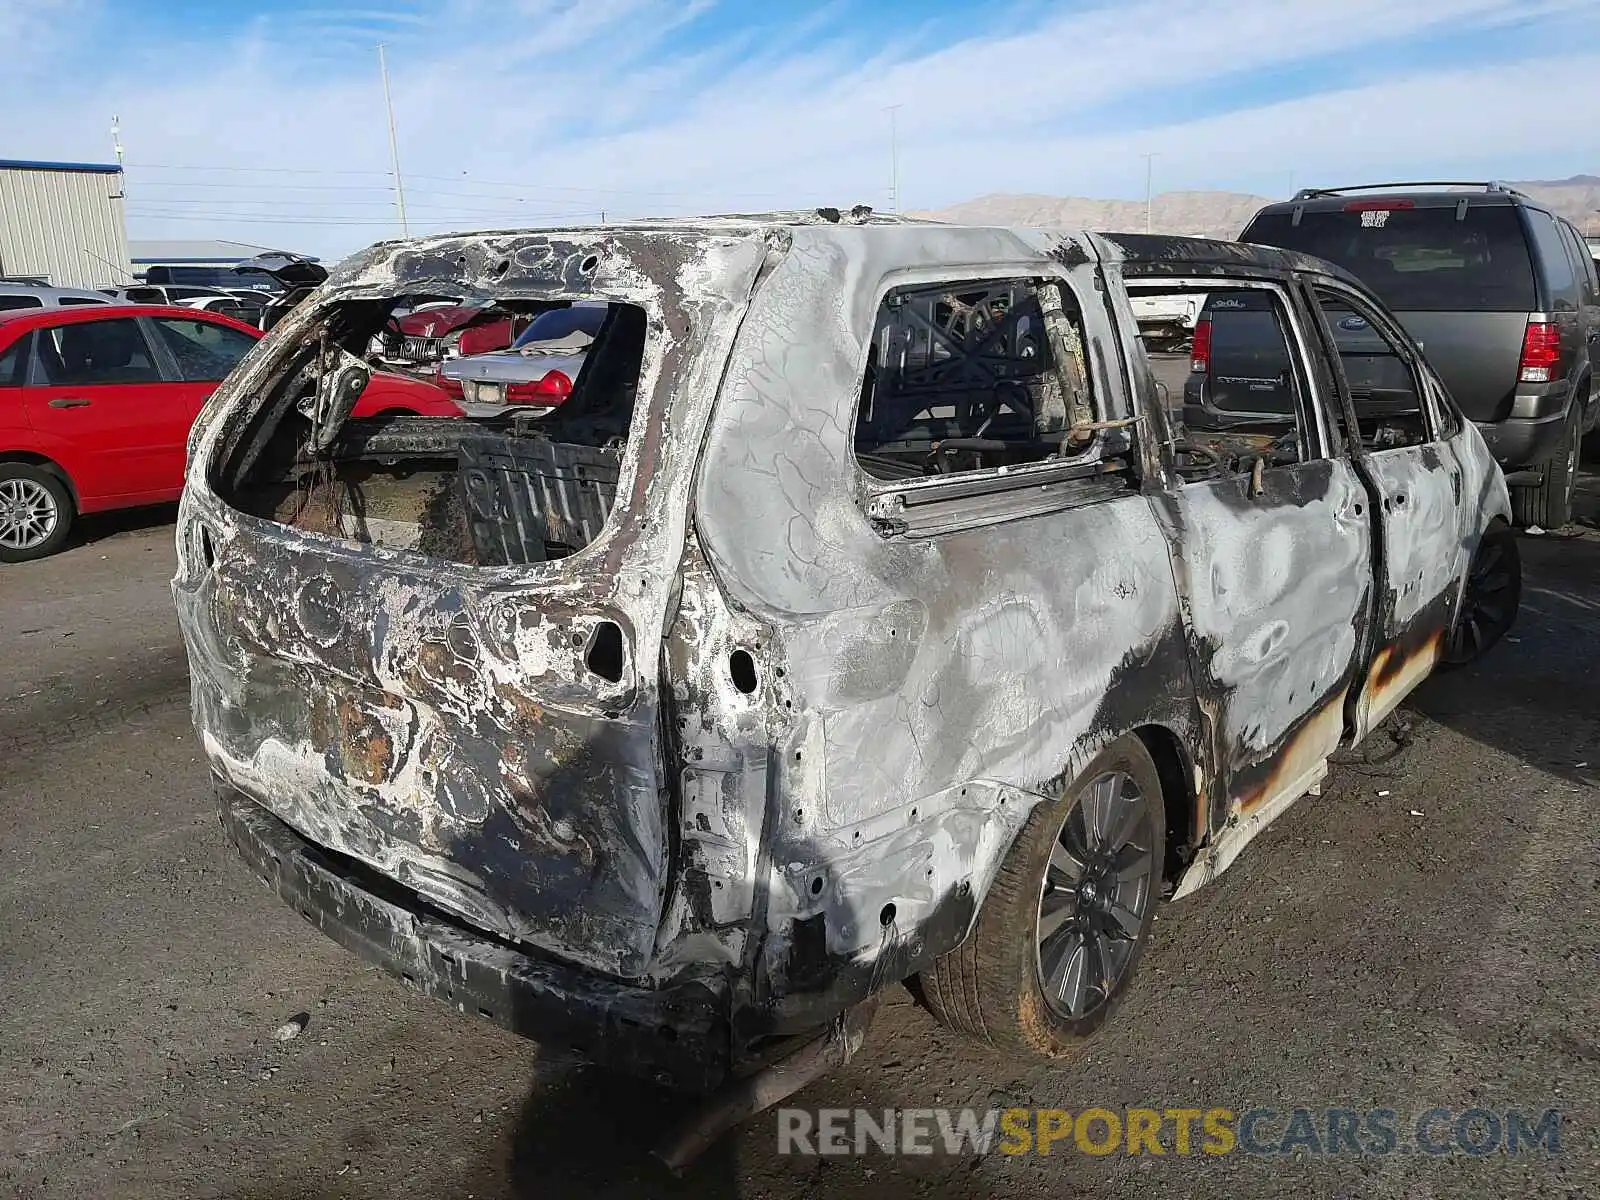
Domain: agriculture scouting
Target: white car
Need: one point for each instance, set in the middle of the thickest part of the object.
(167, 293)
(1166, 321)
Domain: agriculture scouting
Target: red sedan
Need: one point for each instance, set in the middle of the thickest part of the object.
(96, 404)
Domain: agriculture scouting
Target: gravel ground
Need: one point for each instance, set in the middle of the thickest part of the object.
(1422, 934)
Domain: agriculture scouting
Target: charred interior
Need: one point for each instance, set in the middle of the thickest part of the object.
(517, 484)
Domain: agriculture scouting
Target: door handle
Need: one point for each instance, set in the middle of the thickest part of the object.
(69, 402)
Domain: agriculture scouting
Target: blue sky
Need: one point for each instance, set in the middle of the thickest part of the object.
(264, 122)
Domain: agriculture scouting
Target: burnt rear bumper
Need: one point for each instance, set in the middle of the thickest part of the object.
(676, 1036)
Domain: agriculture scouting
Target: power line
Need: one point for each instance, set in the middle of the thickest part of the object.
(462, 178)
(293, 219)
(182, 188)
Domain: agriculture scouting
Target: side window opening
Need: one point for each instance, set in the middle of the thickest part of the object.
(1556, 262)
(1383, 386)
(974, 376)
(1238, 398)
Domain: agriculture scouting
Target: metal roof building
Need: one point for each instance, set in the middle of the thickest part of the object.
(200, 252)
(63, 223)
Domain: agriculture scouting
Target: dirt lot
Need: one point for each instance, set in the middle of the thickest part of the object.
(1424, 933)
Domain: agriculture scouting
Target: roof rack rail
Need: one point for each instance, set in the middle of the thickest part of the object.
(1491, 185)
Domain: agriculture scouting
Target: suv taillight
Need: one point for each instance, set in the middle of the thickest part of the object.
(1541, 353)
(1200, 347)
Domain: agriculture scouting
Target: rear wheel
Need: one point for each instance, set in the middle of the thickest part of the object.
(35, 512)
(1067, 917)
(1489, 599)
(1548, 503)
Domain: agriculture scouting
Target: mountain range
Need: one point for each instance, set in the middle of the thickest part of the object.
(1210, 214)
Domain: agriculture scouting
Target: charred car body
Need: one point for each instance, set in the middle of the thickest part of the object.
(860, 617)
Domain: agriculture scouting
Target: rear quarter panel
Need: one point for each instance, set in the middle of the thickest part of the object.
(930, 690)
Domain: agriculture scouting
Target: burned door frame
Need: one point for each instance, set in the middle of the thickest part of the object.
(1423, 541)
(1308, 561)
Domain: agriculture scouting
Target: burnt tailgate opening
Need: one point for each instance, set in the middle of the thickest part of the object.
(519, 484)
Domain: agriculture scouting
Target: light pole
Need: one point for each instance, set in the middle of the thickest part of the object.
(894, 156)
(1149, 161)
(394, 146)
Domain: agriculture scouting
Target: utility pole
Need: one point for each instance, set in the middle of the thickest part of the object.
(116, 146)
(894, 156)
(1149, 160)
(394, 146)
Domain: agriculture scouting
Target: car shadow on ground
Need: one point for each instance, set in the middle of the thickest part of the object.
(1523, 697)
(97, 527)
(590, 1133)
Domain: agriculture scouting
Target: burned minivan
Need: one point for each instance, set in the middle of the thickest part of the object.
(861, 617)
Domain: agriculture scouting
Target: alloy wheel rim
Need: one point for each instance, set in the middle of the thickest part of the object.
(1485, 605)
(28, 514)
(1097, 889)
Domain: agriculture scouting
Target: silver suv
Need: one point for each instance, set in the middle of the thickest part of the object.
(16, 294)
(1501, 294)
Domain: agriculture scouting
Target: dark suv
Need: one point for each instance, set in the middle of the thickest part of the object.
(1500, 294)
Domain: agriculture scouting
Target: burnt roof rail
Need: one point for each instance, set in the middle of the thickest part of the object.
(1491, 185)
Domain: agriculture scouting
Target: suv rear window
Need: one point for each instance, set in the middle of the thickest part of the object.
(1417, 259)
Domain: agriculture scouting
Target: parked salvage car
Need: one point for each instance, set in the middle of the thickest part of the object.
(430, 334)
(1501, 294)
(96, 403)
(860, 617)
(536, 371)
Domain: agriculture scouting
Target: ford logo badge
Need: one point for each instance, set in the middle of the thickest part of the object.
(1353, 324)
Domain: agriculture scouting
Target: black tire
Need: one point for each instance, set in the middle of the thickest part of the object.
(1548, 503)
(1490, 597)
(27, 494)
(990, 988)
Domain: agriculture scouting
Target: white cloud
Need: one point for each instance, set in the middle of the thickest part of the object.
(597, 104)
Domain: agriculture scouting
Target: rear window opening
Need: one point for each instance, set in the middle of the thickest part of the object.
(1463, 257)
(512, 485)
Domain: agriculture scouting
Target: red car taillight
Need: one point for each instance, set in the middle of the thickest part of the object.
(1200, 347)
(1541, 353)
(554, 388)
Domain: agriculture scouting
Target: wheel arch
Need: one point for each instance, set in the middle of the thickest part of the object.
(44, 462)
(1175, 766)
